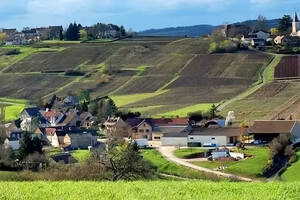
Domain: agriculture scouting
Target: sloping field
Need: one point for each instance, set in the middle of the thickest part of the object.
(30, 86)
(137, 66)
(278, 99)
(149, 190)
(289, 67)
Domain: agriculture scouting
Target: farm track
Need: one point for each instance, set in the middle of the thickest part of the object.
(167, 152)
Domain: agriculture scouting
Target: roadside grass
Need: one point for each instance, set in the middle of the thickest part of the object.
(250, 167)
(123, 100)
(188, 153)
(81, 155)
(53, 151)
(175, 190)
(166, 167)
(291, 174)
(183, 112)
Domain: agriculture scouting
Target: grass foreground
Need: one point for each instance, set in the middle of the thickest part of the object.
(292, 172)
(148, 190)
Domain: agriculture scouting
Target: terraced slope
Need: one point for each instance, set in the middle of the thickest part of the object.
(154, 75)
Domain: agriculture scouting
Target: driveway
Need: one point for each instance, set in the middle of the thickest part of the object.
(167, 152)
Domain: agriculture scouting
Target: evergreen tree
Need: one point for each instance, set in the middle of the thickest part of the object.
(72, 32)
(29, 145)
(284, 24)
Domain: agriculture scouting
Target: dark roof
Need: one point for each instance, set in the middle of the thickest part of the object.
(134, 122)
(180, 134)
(32, 112)
(271, 126)
(228, 131)
(73, 100)
(170, 121)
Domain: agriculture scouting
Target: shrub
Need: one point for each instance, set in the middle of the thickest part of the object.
(13, 52)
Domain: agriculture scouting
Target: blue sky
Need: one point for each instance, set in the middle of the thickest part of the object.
(139, 14)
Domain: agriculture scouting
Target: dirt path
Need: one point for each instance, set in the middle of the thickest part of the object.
(167, 152)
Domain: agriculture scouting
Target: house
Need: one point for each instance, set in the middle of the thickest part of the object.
(31, 113)
(55, 32)
(116, 125)
(256, 42)
(13, 140)
(43, 33)
(71, 101)
(281, 40)
(266, 130)
(175, 139)
(71, 138)
(236, 30)
(140, 128)
(260, 34)
(86, 120)
(10, 34)
(220, 136)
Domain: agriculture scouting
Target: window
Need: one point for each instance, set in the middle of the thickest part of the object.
(156, 138)
(191, 138)
(213, 138)
(144, 125)
(141, 131)
(147, 130)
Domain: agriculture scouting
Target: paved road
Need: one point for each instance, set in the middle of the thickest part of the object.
(167, 152)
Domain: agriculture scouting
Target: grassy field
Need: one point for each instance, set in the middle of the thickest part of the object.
(292, 173)
(183, 112)
(175, 190)
(250, 167)
(12, 112)
(166, 167)
(81, 155)
(188, 152)
(13, 108)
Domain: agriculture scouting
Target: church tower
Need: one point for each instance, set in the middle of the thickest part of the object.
(295, 25)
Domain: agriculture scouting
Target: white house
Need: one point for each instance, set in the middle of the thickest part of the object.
(215, 136)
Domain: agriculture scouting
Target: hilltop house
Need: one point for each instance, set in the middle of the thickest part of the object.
(266, 130)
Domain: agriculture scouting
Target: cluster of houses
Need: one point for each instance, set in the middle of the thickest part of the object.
(260, 38)
(31, 35)
(60, 125)
(212, 133)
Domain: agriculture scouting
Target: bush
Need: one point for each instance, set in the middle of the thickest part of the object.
(225, 46)
(13, 52)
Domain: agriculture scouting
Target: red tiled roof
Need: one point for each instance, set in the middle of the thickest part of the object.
(50, 131)
(50, 114)
(272, 126)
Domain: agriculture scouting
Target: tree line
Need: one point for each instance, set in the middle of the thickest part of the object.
(98, 31)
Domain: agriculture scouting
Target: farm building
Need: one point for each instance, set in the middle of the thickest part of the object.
(267, 130)
(214, 136)
(175, 139)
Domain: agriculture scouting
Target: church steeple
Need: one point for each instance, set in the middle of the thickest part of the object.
(296, 18)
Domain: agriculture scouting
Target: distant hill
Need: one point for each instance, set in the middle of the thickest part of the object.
(197, 30)
(190, 31)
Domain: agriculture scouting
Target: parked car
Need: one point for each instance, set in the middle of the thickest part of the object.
(141, 143)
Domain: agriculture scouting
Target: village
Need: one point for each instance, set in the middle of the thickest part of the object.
(202, 140)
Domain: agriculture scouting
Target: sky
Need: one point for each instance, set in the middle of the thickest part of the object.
(139, 14)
